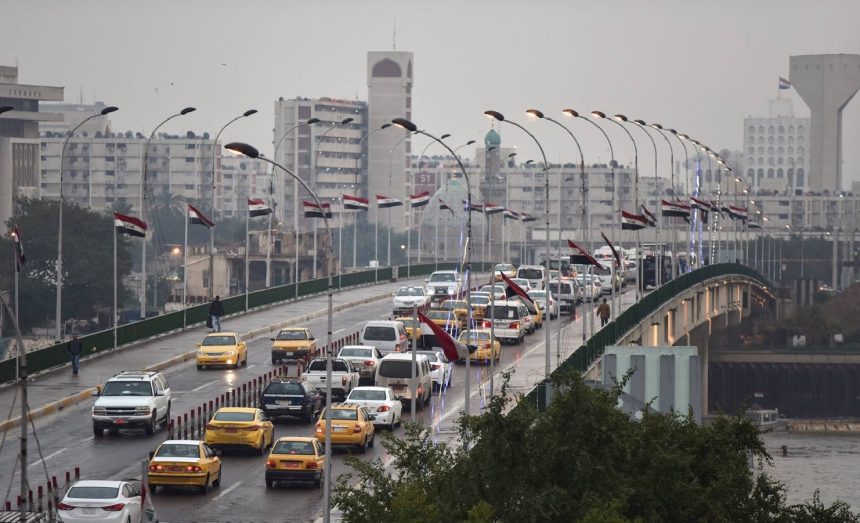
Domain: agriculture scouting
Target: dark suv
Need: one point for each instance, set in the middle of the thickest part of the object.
(291, 397)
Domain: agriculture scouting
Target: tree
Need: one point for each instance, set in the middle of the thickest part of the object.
(581, 460)
(87, 261)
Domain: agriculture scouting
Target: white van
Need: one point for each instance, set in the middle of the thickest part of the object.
(386, 335)
(607, 277)
(535, 274)
(395, 371)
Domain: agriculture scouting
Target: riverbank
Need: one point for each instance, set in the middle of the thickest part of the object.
(818, 425)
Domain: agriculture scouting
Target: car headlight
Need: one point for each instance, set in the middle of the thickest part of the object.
(143, 411)
(201, 353)
(231, 353)
(99, 411)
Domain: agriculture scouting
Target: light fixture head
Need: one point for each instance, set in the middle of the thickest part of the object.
(312, 121)
(571, 112)
(495, 115)
(6, 108)
(512, 155)
(598, 114)
(346, 120)
(620, 118)
(446, 135)
(529, 162)
(243, 148)
(106, 110)
(403, 123)
(187, 110)
(385, 126)
(640, 122)
(249, 112)
(470, 142)
(658, 126)
(534, 113)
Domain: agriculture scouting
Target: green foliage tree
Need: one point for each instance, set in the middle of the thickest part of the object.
(581, 460)
(87, 262)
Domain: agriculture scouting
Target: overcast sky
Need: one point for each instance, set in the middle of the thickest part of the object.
(697, 66)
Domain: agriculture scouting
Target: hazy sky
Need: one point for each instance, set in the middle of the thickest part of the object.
(699, 66)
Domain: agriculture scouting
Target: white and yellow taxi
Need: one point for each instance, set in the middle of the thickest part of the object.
(184, 463)
(222, 349)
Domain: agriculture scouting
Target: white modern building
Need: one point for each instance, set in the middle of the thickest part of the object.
(776, 149)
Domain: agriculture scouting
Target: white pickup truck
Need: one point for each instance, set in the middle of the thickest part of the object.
(344, 376)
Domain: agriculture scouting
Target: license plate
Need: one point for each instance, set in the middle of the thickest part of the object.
(90, 510)
(175, 468)
(339, 429)
(398, 387)
(292, 465)
(231, 431)
(120, 422)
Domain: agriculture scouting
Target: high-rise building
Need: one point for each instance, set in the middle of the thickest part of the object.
(74, 114)
(19, 137)
(389, 95)
(776, 149)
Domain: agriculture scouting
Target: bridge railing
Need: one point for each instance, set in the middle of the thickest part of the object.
(102, 341)
(615, 330)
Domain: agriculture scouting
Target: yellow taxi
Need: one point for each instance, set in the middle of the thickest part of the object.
(481, 339)
(447, 320)
(458, 307)
(240, 427)
(509, 270)
(296, 459)
(351, 426)
(480, 303)
(538, 316)
(223, 349)
(184, 463)
(294, 343)
(413, 328)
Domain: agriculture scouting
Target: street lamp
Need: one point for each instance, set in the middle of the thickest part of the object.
(412, 128)
(141, 203)
(413, 216)
(251, 152)
(658, 203)
(499, 117)
(315, 181)
(6, 108)
(355, 180)
(59, 317)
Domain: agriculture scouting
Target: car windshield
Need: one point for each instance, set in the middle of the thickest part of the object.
(219, 340)
(93, 492)
(407, 322)
(475, 335)
(380, 333)
(348, 414)
(479, 300)
(507, 267)
(280, 387)
(432, 356)
(452, 305)
(355, 352)
(302, 448)
(177, 450)
(292, 335)
(443, 277)
(369, 395)
(438, 315)
(395, 369)
(522, 282)
(127, 388)
(234, 416)
(537, 294)
(410, 291)
(530, 274)
(336, 365)
(602, 271)
(505, 312)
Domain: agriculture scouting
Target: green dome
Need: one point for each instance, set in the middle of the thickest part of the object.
(492, 139)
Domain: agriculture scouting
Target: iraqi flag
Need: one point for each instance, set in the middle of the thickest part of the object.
(516, 290)
(739, 213)
(476, 207)
(312, 210)
(419, 200)
(445, 207)
(453, 349)
(196, 217)
(674, 209)
(613, 249)
(511, 215)
(525, 217)
(701, 205)
(784, 84)
(632, 222)
(19, 249)
(384, 202)
(581, 256)
(650, 218)
(129, 225)
(491, 208)
(355, 203)
(258, 208)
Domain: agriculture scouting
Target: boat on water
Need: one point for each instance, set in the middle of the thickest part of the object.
(767, 419)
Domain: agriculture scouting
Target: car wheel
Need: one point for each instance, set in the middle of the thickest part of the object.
(199, 367)
(245, 361)
(217, 482)
(363, 448)
(150, 427)
(153, 489)
(261, 449)
(270, 483)
(97, 432)
(205, 488)
(274, 360)
(166, 419)
(318, 482)
(372, 440)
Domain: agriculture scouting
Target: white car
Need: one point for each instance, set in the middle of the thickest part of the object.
(524, 284)
(379, 401)
(539, 297)
(440, 368)
(442, 285)
(364, 358)
(132, 399)
(98, 500)
(407, 297)
(591, 287)
(498, 290)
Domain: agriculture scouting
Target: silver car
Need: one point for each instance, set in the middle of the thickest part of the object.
(364, 358)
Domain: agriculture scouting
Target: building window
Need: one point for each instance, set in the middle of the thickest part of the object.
(800, 178)
(770, 160)
(780, 173)
(760, 173)
(189, 159)
(770, 140)
(790, 129)
(304, 112)
(190, 146)
(751, 129)
(800, 130)
(760, 129)
(770, 173)
(761, 140)
(751, 150)
(769, 129)
(761, 160)
(770, 150)
(781, 129)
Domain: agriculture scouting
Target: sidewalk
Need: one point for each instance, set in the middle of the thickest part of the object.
(56, 389)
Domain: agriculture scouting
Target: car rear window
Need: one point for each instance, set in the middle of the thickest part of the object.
(370, 395)
(284, 388)
(302, 448)
(380, 333)
(530, 274)
(336, 365)
(177, 450)
(505, 312)
(395, 369)
(292, 335)
(234, 416)
(93, 492)
(347, 414)
(358, 353)
(565, 288)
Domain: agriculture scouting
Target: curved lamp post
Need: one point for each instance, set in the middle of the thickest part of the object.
(59, 316)
(659, 129)
(357, 168)
(251, 152)
(315, 180)
(658, 274)
(445, 224)
(412, 128)
(411, 212)
(686, 192)
(376, 233)
(142, 201)
(499, 117)
(6, 108)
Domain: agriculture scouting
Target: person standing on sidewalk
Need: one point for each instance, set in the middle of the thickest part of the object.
(216, 310)
(74, 348)
(604, 312)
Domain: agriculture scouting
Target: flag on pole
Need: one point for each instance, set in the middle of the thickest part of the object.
(355, 203)
(649, 218)
(129, 225)
(784, 84)
(445, 207)
(701, 205)
(674, 209)
(453, 349)
(632, 222)
(312, 210)
(525, 217)
(476, 207)
(419, 200)
(258, 208)
(511, 215)
(516, 290)
(491, 208)
(197, 218)
(738, 213)
(19, 249)
(612, 248)
(384, 202)
(581, 256)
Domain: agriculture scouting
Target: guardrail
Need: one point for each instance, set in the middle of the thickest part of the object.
(45, 498)
(587, 354)
(55, 355)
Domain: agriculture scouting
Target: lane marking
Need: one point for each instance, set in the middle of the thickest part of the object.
(201, 387)
(228, 490)
(337, 331)
(49, 456)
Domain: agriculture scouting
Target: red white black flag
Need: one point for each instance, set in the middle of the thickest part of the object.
(356, 203)
(129, 225)
(197, 218)
(19, 249)
(420, 199)
(675, 209)
(258, 208)
(632, 222)
(511, 215)
(491, 208)
(649, 217)
(312, 210)
(384, 202)
(581, 256)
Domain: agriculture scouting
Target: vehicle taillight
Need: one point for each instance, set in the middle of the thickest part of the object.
(252, 428)
(311, 465)
(487, 324)
(116, 507)
(356, 429)
(435, 366)
(210, 426)
(369, 363)
(515, 325)
(319, 427)
(343, 380)
(64, 506)
(193, 468)
(270, 464)
(383, 408)
(156, 468)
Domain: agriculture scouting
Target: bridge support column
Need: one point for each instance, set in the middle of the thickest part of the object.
(703, 358)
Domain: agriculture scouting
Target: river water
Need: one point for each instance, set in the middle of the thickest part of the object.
(829, 462)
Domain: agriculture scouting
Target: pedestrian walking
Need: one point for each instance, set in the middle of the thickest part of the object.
(604, 312)
(74, 348)
(216, 310)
